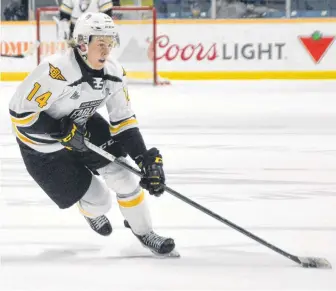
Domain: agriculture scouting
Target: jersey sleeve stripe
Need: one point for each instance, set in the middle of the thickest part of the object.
(105, 7)
(19, 115)
(66, 9)
(24, 121)
(36, 123)
(25, 137)
(115, 123)
(21, 137)
(129, 123)
(38, 139)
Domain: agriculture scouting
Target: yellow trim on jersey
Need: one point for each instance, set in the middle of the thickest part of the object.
(22, 137)
(115, 129)
(134, 202)
(105, 7)
(66, 9)
(25, 120)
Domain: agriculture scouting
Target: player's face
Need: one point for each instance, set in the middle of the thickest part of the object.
(99, 49)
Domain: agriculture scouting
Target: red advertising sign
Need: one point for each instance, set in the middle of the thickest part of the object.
(317, 45)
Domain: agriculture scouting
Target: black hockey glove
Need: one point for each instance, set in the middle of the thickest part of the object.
(151, 166)
(72, 135)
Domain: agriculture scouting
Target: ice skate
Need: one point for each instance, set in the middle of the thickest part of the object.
(100, 225)
(158, 245)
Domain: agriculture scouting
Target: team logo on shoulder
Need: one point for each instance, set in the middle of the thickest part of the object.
(55, 73)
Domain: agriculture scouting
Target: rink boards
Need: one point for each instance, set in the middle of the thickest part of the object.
(197, 49)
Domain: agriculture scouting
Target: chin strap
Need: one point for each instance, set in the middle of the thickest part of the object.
(84, 55)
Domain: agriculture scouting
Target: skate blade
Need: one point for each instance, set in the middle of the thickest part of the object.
(172, 254)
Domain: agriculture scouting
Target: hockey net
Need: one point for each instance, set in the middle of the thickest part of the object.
(136, 53)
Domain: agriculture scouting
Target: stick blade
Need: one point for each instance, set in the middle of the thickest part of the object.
(310, 262)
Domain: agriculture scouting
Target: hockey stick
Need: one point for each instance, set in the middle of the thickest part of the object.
(12, 56)
(306, 262)
(30, 51)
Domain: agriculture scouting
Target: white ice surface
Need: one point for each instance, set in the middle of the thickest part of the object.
(261, 154)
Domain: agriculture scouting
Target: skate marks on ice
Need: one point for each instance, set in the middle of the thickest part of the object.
(65, 252)
(225, 264)
(229, 254)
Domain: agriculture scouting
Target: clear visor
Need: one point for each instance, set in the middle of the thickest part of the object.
(110, 41)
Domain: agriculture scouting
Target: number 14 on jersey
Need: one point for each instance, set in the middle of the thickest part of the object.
(42, 99)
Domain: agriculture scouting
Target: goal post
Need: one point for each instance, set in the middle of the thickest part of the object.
(44, 14)
(137, 28)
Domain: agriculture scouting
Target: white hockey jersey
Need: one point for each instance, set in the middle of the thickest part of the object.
(76, 8)
(60, 87)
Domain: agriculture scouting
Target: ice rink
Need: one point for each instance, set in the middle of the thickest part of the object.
(260, 153)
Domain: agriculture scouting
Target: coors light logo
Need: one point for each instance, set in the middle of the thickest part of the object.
(166, 50)
(140, 52)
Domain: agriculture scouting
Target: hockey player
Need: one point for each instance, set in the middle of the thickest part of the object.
(71, 10)
(54, 110)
